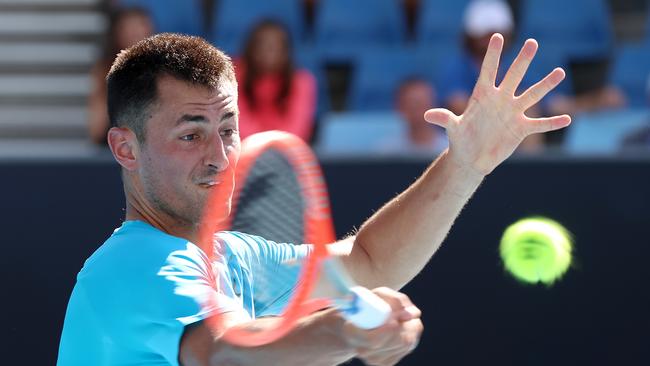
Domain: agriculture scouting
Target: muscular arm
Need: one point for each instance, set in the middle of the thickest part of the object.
(396, 242)
(323, 338)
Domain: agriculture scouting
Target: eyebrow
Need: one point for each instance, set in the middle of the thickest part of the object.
(197, 118)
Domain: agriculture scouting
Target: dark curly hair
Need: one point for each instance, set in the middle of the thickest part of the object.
(132, 80)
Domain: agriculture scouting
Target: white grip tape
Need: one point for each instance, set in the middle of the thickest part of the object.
(368, 311)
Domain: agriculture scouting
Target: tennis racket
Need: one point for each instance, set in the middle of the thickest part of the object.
(280, 194)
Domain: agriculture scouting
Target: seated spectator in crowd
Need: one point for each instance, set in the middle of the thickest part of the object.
(602, 97)
(273, 93)
(481, 19)
(414, 97)
(127, 27)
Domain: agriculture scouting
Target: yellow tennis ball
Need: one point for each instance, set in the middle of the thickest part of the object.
(536, 249)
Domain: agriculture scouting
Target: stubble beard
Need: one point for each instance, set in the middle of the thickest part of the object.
(184, 211)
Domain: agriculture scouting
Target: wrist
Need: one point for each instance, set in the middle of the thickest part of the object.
(468, 177)
(472, 169)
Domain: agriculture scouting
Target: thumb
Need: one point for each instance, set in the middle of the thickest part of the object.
(440, 116)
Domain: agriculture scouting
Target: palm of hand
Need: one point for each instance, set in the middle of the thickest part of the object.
(494, 123)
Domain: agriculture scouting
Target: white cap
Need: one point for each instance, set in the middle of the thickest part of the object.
(484, 17)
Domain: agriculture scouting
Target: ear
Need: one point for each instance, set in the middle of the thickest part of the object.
(124, 146)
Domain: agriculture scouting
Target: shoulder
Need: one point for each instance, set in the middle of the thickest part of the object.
(138, 236)
(140, 267)
(137, 248)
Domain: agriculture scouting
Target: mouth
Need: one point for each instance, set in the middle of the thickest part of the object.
(209, 184)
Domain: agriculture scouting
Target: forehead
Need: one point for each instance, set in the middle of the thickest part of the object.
(271, 31)
(174, 92)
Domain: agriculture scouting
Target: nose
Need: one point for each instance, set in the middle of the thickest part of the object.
(217, 156)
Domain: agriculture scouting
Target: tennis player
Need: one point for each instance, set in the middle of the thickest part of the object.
(173, 103)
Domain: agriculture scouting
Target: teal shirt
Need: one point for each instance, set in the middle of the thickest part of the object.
(137, 292)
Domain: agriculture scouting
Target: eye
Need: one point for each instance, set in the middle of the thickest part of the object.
(228, 132)
(190, 137)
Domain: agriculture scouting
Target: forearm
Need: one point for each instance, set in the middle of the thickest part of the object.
(316, 340)
(401, 237)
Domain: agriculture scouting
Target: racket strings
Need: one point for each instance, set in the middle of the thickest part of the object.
(270, 203)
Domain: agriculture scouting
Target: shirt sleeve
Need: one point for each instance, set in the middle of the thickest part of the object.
(191, 290)
(275, 269)
(189, 275)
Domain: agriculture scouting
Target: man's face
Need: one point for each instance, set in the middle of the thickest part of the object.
(192, 146)
(415, 99)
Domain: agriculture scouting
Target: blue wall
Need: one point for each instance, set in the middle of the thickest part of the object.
(56, 213)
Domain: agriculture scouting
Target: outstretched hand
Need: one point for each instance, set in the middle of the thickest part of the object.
(494, 123)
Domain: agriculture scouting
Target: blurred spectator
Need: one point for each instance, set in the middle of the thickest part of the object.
(481, 19)
(273, 94)
(127, 27)
(414, 97)
(592, 92)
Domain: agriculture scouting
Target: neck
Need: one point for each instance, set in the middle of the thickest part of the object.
(140, 210)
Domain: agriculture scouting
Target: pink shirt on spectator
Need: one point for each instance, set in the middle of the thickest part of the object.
(297, 118)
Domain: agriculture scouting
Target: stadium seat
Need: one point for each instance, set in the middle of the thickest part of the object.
(631, 72)
(357, 133)
(379, 72)
(440, 21)
(582, 27)
(177, 16)
(343, 27)
(234, 19)
(603, 133)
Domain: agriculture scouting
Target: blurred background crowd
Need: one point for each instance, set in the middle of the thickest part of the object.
(348, 76)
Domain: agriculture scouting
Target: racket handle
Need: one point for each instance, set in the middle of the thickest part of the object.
(368, 311)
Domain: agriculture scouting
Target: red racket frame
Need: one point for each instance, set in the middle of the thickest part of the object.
(319, 231)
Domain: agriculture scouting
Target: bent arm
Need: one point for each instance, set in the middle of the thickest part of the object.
(315, 340)
(394, 244)
(398, 240)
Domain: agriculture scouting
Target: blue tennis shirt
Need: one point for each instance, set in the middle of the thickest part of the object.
(137, 292)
